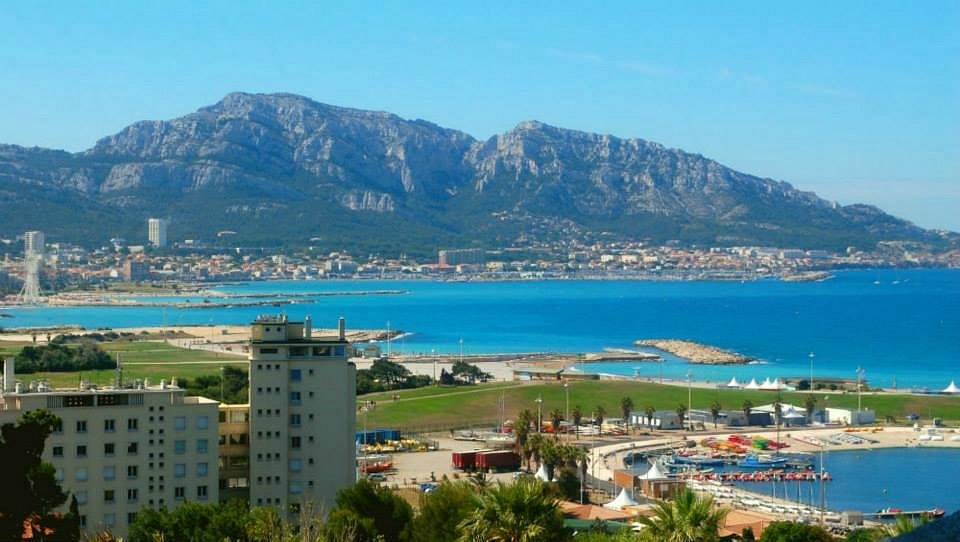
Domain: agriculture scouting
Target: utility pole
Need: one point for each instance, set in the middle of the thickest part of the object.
(461, 350)
(860, 373)
(388, 339)
(539, 413)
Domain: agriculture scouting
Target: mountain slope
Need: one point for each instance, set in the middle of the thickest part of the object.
(281, 168)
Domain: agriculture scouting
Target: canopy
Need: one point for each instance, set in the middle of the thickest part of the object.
(733, 383)
(623, 499)
(952, 388)
(653, 474)
(542, 473)
(753, 384)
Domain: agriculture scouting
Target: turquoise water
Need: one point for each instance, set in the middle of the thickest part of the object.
(906, 478)
(896, 324)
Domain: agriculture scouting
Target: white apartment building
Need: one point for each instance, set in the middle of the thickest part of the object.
(122, 449)
(157, 232)
(302, 415)
(33, 243)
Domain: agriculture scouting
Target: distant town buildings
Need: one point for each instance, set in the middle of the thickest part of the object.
(33, 242)
(136, 271)
(157, 232)
(470, 256)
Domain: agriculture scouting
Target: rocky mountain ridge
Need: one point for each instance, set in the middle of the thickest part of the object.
(281, 168)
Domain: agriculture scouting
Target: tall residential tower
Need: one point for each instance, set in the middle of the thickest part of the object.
(302, 415)
(157, 232)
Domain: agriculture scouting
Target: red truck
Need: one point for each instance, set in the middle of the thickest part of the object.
(497, 460)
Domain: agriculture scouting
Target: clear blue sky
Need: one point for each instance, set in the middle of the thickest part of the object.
(858, 101)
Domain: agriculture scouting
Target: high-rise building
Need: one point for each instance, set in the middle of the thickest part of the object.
(33, 242)
(302, 415)
(157, 232)
(122, 449)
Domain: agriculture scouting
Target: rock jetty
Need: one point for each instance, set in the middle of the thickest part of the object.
(695, 352)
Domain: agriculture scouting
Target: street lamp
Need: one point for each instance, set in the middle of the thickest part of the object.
(690, 398)
(461, 349)
(539, 413)
(811, 370)
(433, 354)
(388, 339)
(860, 373)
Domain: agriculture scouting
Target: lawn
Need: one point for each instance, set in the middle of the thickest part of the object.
(140, 359)
(446, 409)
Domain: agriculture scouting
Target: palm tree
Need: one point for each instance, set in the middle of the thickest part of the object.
(747, 406)
(522, 431)
(810, 403)
(525, 511)
(535, 446)
(649, 412)
(598, 417)
(688, 518)
(555, 417)
(626, 406)
(682, 413)
(715, 408)
(577, 415)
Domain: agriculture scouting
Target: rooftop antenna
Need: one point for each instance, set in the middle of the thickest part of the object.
(119, 372)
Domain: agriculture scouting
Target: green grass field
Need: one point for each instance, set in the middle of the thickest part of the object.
(441, 408)
(140, 359)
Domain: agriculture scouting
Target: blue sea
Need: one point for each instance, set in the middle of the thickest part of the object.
(900, 326)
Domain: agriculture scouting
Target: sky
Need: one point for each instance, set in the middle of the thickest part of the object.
(857, 101)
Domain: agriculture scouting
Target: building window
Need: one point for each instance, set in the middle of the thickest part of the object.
(268, 351)
(295, 420)
(108, 448)
(80, 474)
(202, 469)
(81, 426)
(202, 492)
(179, 493)
(203, 422)
(295, 443)
(131, 495)
(109, 426)
(131, 517)
(109, 472)
(132, 424)
(295, 375)
(110, 519)
(83, 521)
(82, 450)
(108, 496)
(179, 470)
(58, 451)
(81, 497)
(58, 475)
(131, 471)
(132, 448)
(295, 397)
(296, 465)
(202, 446)
(180, 423)
(179, 446)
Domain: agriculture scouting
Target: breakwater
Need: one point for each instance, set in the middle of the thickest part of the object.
(695, 352)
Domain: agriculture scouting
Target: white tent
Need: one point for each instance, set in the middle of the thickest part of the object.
(752, 385)
(653, 474)
(952, 388)
(542, 473)
(767, 384)
(733, 383)
(623, 500)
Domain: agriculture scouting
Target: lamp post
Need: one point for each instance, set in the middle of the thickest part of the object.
(811, 370)
(461, 349)
(566, 391)
(689, 398)
(539, 413)
(388, 339)
(860, 373)
(433, 354)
